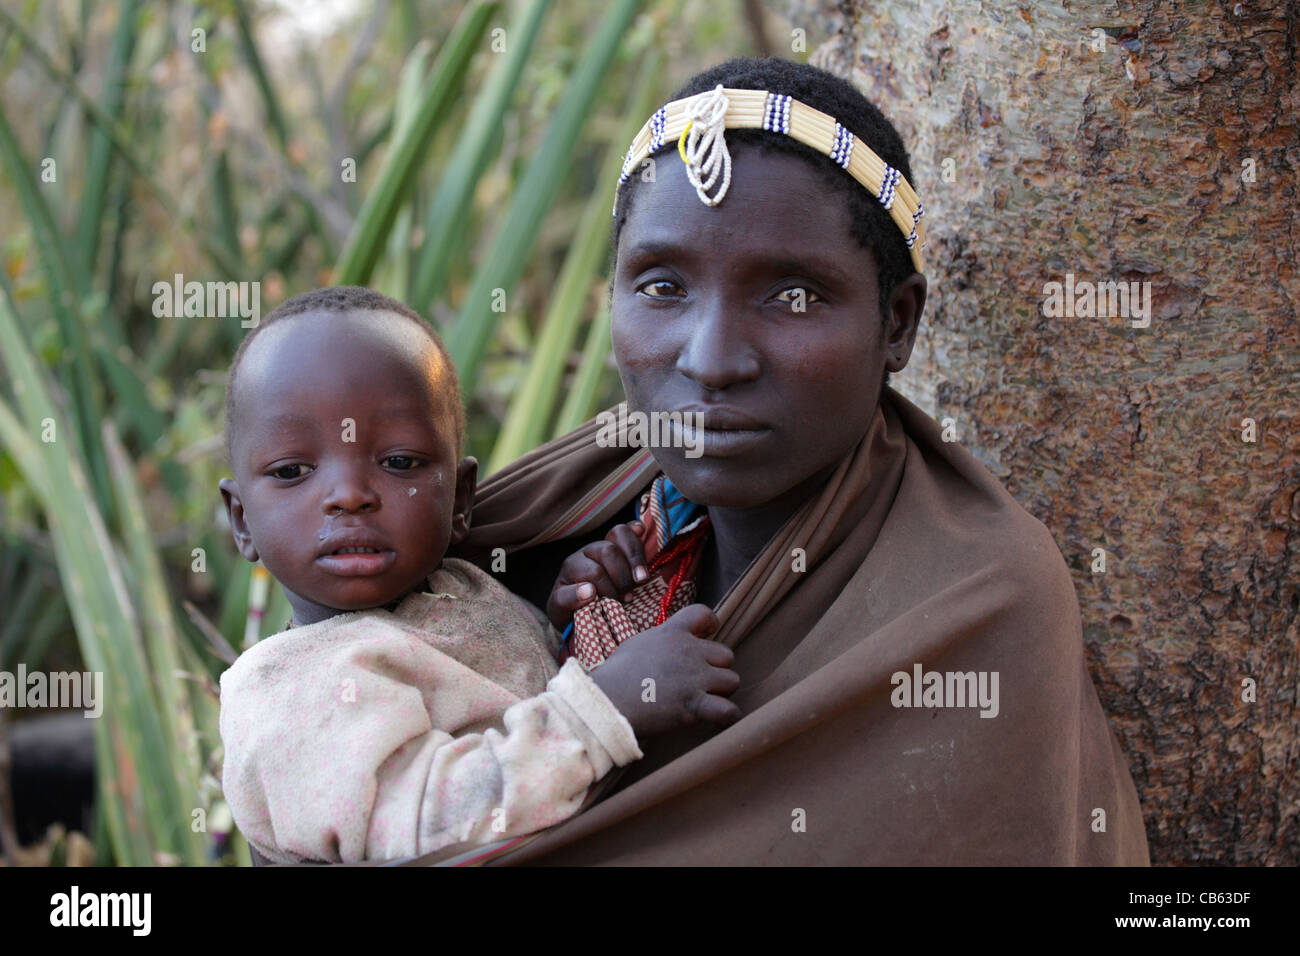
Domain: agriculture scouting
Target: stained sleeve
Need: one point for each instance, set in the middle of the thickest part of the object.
(380, 746)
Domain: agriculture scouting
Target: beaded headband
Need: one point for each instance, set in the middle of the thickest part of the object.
(698, 123)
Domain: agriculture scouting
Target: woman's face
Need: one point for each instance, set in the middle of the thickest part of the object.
(761, 313)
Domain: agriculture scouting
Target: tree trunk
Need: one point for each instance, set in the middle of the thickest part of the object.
(1136, 142)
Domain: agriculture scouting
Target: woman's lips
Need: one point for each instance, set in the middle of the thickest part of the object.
(714, 442)
(357, 562)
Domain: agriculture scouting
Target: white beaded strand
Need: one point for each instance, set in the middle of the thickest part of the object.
(703, 147)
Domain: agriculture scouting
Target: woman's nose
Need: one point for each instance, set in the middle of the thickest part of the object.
(351, 491)
(718, 352)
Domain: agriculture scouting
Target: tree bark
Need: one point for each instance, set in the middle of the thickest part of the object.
(1135, 142)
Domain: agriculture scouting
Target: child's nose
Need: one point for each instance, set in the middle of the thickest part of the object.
(351, 492)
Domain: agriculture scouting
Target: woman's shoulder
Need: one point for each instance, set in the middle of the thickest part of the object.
(962, 521)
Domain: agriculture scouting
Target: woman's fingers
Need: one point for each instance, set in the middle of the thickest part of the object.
(585, 568)
(700, 620)
(614, 568)
(624, 537)
(581, 579)
(718, 655)
(722, 681)
(717, 710)
(598, 569)
(610, 570)
(567, 598)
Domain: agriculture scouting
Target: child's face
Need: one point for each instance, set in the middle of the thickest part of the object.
(761, 313)
(346, 481)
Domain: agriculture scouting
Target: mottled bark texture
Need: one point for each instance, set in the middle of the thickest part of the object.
(1117, 142)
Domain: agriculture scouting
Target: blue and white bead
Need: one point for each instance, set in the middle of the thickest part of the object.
(658, 123)
(887, 184)
(842, 146)
(776, 113)
(916, 217)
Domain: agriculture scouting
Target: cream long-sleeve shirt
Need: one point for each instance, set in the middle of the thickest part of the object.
(376, 735)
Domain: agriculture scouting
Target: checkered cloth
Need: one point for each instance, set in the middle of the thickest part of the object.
(676, 531)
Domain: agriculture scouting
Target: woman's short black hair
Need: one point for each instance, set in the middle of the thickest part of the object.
(871, 224)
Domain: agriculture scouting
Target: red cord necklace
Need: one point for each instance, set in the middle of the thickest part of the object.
(681, 548)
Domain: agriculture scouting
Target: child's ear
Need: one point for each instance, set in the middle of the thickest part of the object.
(905, 308)
(238, 524)
(466, 484)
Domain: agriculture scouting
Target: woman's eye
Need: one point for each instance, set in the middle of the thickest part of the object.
(399, 462)
(798, 297)
(291, 472)
(660, 289)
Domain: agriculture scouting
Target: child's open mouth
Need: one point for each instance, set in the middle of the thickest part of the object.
(357, 562)
(350, 554)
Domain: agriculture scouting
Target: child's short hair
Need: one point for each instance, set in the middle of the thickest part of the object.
(871, 224)
(346, 298)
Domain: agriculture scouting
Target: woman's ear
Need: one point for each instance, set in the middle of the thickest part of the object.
(905, 308)
(466, 484)
(238, 523)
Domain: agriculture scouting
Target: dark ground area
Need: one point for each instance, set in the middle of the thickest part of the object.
(53, 774)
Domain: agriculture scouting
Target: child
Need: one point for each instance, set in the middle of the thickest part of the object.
(414, 703)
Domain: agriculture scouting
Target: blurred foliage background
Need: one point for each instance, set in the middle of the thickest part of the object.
(216, 141)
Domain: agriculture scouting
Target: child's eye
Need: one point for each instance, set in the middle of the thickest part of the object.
(291, 472)
(660, 289)
(399, 462)
(798, 296)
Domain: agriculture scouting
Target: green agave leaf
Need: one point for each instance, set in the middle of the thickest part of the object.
(583, 395)
(248, 47)
(401, 165)
(533, 196)
(148, 812)
(445, 219)
(391, 274)
(533, 404)
(118, 135)
(162, 633)
(95, 193)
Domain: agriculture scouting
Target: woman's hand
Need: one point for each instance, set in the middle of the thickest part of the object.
(670, 676)
(610, 568)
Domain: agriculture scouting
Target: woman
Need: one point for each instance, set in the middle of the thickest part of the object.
(908, 638)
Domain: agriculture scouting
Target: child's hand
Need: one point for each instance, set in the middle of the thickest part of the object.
(691, 676)
(610, 568)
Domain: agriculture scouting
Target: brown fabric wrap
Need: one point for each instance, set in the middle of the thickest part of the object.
(914, 554)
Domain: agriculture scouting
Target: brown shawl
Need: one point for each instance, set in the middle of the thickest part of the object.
(913, 555)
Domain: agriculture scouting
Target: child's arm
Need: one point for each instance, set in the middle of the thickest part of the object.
(662, 678)
(333, 753)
